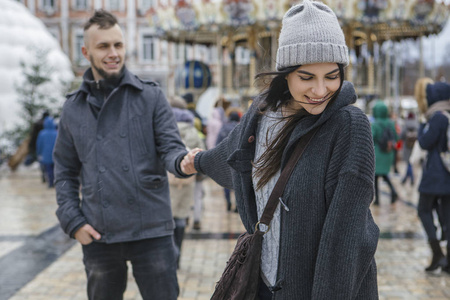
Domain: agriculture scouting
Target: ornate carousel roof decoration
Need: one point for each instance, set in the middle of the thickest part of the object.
(387, 19)
(197, 20)
(392, 19)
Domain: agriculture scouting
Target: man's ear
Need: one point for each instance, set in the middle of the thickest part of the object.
(85, 52)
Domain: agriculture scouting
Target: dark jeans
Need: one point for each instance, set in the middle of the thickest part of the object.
(409, 174)
(388, 181)
(153, 262)
(427, 203)
(50, 174)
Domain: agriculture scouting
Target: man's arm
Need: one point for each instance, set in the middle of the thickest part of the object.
(67, 184)
(167, 137)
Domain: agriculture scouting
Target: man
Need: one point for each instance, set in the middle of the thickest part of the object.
(117, 137)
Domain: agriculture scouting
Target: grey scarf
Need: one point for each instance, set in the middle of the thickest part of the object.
(438, 106)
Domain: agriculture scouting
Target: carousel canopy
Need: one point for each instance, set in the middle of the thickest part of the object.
(197, 21)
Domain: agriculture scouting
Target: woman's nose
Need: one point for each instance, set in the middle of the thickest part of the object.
(319, 89)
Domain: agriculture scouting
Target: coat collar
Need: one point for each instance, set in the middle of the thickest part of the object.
(127, 79)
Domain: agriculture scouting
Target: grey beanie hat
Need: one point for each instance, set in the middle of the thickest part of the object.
(310, 34)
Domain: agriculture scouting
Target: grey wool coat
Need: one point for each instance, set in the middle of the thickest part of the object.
(328, 236)
(120, 160)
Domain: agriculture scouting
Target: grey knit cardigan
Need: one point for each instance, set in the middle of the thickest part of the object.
(328, 237)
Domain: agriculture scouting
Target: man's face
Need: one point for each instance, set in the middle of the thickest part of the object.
(105, 50)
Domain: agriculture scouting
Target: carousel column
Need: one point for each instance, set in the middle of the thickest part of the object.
(252, 42)
(219, 63)
(371, 76)
(348, 30)
(421, 65)
(229, 76)
(274, 47)
(370, 67)
(252, 71)
(387, 71)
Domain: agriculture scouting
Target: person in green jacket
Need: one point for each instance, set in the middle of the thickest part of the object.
(383, 157)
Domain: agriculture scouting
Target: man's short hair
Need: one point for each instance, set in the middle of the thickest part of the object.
(103, 19)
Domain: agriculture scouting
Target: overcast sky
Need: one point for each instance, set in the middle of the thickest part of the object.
(435, 46)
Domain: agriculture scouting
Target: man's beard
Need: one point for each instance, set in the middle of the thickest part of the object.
(107, 76)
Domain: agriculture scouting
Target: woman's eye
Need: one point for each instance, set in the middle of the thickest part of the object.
(333, 77)
(305, 78)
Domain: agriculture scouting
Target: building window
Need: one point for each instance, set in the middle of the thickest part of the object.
(144, 5)
(48, 4)
(115, 5)
(148, 48)
(80, 4)
(79, 59)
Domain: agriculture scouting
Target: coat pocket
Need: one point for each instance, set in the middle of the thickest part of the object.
(153, 181)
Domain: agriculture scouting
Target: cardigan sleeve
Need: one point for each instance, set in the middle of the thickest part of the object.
(214, 164)
(349, 236)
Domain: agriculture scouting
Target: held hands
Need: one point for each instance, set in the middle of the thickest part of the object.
(86, 233)
(187, 164)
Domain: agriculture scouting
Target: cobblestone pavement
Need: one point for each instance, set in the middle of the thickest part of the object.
(37, 261)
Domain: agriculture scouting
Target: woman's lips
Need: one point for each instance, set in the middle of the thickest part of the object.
(316, 100)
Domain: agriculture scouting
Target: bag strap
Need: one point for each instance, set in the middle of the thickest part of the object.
(278, 190)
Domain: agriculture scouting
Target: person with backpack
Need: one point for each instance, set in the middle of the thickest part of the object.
(434, 188)
(409, 137)
(384, 138)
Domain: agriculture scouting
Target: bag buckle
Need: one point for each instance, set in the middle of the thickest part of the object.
(263, 228)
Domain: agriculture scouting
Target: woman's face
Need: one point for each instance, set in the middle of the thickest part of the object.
(312, 86)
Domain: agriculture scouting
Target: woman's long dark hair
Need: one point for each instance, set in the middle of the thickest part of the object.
(275, 96)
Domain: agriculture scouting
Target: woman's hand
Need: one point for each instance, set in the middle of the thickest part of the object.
(187, 164)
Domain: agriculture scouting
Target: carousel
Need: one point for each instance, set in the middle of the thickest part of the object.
(243, 35)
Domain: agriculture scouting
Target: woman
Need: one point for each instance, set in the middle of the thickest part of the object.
(434, 189)
(384, 158)
(409, 136)
(322, 239)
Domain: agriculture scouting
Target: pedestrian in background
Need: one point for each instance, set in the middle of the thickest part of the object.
(44, 149)
(322, 238)
(409, 137)
(32, 155)
(213, 126)
(227, 127)
(182, 189)
(385, 137)
(434, 188)
(199, 192)
(117, 138)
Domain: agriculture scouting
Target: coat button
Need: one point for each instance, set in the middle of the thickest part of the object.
(102, 169)
(105, 203)
(251, 139)
(135, 234)
(130, 201)
(99, 137)
(125, 168)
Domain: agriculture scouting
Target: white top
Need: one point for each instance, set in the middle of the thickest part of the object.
(270, 124)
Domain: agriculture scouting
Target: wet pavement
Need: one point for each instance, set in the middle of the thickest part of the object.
(37, 261)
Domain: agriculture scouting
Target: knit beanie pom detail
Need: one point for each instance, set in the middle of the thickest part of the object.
(310, 34)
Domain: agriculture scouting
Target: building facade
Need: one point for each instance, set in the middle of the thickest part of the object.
(148, 56)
